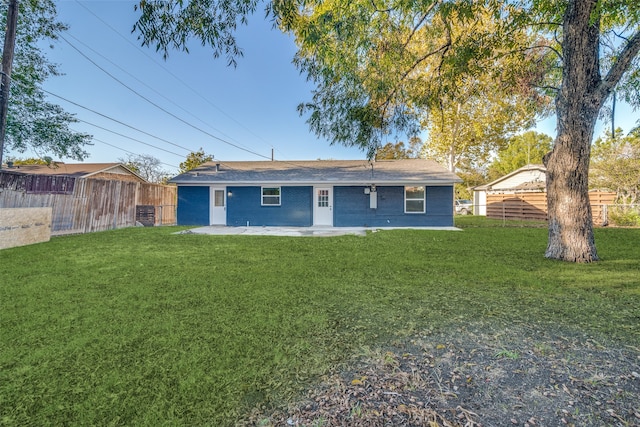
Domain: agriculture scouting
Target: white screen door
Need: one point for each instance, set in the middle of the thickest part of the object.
(218, 214)
(323, 206)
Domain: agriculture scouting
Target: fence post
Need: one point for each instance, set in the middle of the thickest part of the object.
(605, 215)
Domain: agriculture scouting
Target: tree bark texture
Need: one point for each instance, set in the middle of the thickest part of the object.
(7, 63)
(577, 106)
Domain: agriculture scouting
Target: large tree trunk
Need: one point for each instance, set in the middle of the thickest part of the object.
(577, 107)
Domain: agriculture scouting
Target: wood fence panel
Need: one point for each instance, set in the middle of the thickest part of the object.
(93, 204)
(599, 200)
(517, 206)
(41, 184)
(163, 197)
(533, 206)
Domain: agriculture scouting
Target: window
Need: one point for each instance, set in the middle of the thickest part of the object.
(323, 198)
(270, 196)
(218, 198)
(414, 200)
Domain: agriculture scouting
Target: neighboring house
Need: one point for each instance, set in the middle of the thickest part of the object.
(110, 171)
(521, 194)
(529, 178)
(340, 193)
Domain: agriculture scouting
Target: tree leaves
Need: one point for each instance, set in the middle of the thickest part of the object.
(404, 65)
(172, 24)
(195, 159)
(32, 122)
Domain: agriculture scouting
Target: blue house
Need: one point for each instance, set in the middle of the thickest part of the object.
(331, 193)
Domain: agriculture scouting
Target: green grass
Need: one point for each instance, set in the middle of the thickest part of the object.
(145, 327)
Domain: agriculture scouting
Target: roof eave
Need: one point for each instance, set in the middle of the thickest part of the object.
(317, 183)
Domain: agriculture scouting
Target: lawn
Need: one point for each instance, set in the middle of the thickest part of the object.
(144, 326)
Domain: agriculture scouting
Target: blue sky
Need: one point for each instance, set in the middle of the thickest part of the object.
(252, 106)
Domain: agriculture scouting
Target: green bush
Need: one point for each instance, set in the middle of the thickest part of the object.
(624, 215)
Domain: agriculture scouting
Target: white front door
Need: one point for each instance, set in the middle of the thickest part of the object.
(218, 214)
(323, 206)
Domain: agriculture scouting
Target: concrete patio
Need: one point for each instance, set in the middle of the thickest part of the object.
(299, 231)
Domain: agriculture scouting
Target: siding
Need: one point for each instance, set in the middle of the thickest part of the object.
(193, 206)
(530, 175)
(351, 208)
(244, 206)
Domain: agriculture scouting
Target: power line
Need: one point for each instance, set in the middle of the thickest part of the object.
(128, 137)
(141, 131)
(194, 91)
(149, 87)
(115, 120)
(130, 152)
(159, 107)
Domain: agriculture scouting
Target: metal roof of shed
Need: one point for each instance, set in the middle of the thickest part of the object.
(340, 172)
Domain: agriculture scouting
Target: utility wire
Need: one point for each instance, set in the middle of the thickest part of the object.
(199, 94)
(128, 137)
(141, 131)
(130, 152)
(149, 87)
(115, 120)
(159, 107)
(122, 135)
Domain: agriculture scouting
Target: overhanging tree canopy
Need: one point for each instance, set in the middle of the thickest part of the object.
(364, 56)
(32, 121)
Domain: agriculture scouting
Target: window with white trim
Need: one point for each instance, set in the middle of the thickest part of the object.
(270, 196)
(414, 199)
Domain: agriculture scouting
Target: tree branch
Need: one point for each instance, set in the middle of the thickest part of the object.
(551, 48)
(620, 66)
(620, 36)
(375, 7)
(419, 23)
(553, 88)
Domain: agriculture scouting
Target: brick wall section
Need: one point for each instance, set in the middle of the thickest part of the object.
(24, 226)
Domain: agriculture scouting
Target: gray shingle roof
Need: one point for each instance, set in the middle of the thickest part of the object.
(340, 172)
(78, 170)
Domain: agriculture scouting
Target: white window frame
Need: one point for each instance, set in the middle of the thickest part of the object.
(423, 199)
(279, 196)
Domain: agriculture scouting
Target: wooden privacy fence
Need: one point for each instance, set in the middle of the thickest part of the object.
(534, 205)
(82, 205)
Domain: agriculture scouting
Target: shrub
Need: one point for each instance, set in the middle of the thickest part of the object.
(624, 215)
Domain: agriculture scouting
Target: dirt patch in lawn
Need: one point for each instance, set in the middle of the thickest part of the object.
(477, 376)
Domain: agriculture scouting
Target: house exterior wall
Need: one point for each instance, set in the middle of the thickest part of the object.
(532, 175)
(244, 206)
(480, 202)
(193, 205)
(351, 208)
